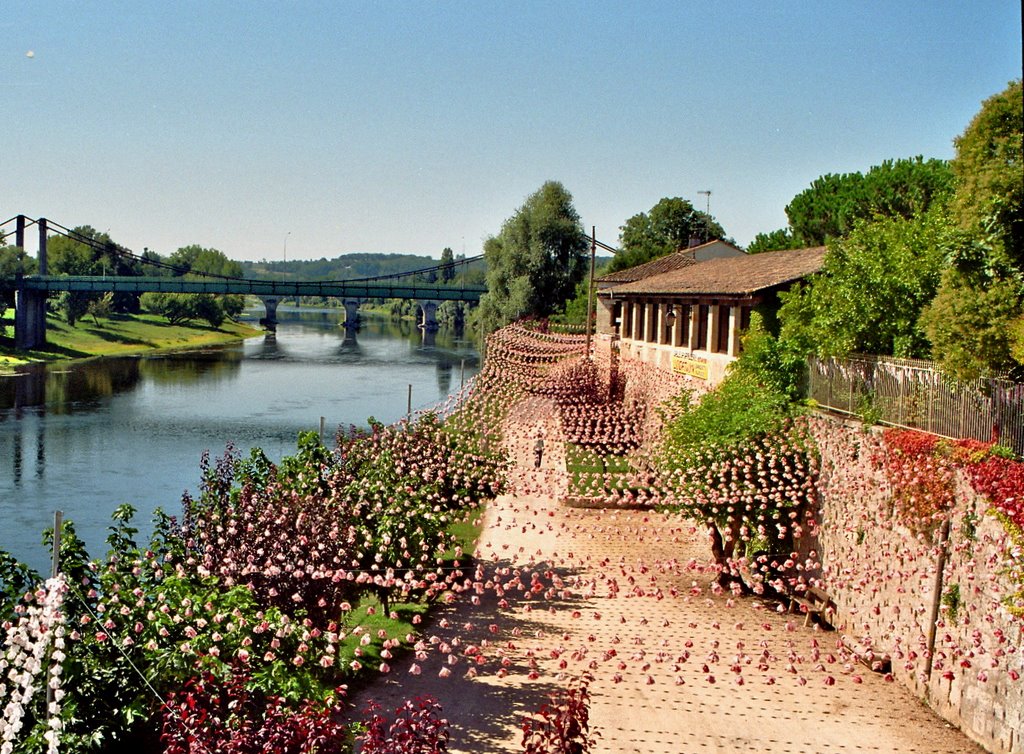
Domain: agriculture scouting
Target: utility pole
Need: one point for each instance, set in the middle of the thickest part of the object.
(286, 245)
(590, 287)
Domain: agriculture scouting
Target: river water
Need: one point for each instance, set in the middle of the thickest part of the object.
(86, 437)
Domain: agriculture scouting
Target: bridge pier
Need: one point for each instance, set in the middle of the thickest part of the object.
(270, 304)
(428, 311)
(29, 319)
(351, 314)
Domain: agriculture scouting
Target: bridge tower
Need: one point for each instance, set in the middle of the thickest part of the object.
(30, 306)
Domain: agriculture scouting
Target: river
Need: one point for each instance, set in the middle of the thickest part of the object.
(86, 437)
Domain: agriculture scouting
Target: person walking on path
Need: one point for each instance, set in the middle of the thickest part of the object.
(538, 450)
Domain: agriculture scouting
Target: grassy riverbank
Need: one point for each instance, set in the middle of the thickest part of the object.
(120, 335)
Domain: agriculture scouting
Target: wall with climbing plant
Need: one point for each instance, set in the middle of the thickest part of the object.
(894, 505)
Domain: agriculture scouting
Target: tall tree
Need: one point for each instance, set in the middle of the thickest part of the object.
(668, 227)
(534, 263)
(834, 203)
(92, 252)
(989, 173)
(976, 322)
(447, 266)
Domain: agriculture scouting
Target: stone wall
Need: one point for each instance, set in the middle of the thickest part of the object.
(882, 577)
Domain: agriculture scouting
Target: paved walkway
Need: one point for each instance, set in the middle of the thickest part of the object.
(628, 597)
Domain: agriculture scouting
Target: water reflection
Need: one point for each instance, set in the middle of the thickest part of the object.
(64, 390)
(89, 436)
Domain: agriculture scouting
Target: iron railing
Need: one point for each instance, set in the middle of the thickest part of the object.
(913, 394)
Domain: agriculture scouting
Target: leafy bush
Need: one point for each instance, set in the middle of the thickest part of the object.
(223, 715)
(417, 728)
(561, 726)
(739, 462)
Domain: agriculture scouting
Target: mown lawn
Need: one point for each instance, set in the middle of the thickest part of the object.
(120, 335)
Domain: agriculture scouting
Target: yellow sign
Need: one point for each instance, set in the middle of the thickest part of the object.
(691, 365)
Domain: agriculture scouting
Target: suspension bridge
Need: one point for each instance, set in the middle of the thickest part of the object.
(31, 291)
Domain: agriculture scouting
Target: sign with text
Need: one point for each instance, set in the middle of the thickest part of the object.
(691, 365)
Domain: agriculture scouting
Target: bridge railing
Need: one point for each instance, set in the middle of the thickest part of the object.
(268, 288)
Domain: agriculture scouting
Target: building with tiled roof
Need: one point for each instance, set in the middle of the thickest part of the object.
(683, 258)
(688, 319)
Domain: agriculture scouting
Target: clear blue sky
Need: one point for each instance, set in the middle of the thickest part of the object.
(411, 126)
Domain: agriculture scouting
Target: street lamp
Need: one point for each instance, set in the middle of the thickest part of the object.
(286, 245)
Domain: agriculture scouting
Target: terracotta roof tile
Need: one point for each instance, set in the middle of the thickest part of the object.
(732, 275)
(674, 261)
(657, 266)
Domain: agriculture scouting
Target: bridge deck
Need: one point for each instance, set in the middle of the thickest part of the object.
(337, 289)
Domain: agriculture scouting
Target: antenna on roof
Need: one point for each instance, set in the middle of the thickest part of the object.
(708, 195)
(707, 212)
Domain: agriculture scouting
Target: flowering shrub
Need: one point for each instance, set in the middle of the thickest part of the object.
(270, 578)
(1001, 480)
(563, 725)
(738, 462)
(417, 728)
(37, 635)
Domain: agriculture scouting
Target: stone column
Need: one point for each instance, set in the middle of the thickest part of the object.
(29, 319)
(734, 331)
(351, 314)
(651, 322)
(429, 310)
(714, 322)
(270, 304)
(663, 324)
(694, 327)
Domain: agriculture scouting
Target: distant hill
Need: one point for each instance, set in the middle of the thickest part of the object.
(359, 265)
(344, 267)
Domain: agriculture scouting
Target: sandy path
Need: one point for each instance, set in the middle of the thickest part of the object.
(677, 667)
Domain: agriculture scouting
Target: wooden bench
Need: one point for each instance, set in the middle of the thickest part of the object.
(813, 601)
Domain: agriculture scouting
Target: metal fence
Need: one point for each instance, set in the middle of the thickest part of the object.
(912, 393)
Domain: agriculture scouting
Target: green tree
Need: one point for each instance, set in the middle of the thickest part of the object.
(667, 228)
(177, 308)
(989, 174)
(777, 240)
(872, 288)
(447, 265)
(834, 204)
(198, 262)
(15, 261)
(101, 307)
(975, 322)
(199, 259)
(972, 328)
(535, 262)
(90, 252)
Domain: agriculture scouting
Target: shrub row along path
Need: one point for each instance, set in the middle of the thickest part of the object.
(677, 665)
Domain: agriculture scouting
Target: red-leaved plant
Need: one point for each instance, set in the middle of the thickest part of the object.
(215, 715)
(417, 728)
(562, 726)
